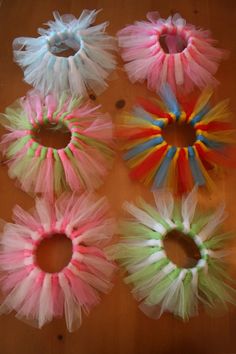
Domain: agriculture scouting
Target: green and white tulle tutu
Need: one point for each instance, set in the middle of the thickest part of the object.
(159, 284)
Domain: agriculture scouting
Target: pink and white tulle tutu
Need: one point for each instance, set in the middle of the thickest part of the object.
(37, 296)
(189, 59)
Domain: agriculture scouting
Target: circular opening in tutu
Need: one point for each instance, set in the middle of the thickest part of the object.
(54, 253)
(181, 249)
(172, 43)
(180, 135)
(51, 135)
(64, 45)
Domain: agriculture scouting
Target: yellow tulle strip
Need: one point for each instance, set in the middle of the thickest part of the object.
(172, 173)
(220, 112)
(201, 102)
(149, 178)
(135, 142)
(209, 182)
(141, 157)
(223, 136)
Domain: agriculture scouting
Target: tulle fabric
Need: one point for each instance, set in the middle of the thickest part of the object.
(182, 68)
(86, 70)
(83, 164)
(159, 284)
(36, 296)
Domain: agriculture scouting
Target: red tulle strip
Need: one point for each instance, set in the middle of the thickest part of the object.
(145, 133)
(153, 109)
(148, 164)
(215, 126)
(206, 162)
(188, 106)
(185, 179)
(225, 158)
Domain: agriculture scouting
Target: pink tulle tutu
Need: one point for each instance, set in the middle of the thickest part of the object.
(190, 58)
(38, 296)
(82, 164)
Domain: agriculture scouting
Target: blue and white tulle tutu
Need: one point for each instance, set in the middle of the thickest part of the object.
(84, 71)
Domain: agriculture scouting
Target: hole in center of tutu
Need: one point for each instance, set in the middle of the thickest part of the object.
(51, 135)
(181, 249)
(172, 43)
(180, 135)
(54, 253)
(64, 45)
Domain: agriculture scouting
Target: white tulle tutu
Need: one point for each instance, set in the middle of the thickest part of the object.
(86, 70)
(37, 296)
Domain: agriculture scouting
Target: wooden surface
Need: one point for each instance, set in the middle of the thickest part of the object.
(117, 326)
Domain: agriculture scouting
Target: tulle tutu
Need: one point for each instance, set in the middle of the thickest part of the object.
(86, 70)
(182, 67)
(82, 164)
(155, 162)
(159, 284)
(37, 296)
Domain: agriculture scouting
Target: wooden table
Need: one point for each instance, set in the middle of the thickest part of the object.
(117, 326)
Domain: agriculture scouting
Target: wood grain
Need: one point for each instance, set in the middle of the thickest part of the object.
(117, 326)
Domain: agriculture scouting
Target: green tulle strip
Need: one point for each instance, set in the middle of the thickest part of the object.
(128, 255)
(214, 289)
(143, 275)
(197, 225)
(59, 174)
(159, 291)
(20, 167)
(186, 305)
(95, 143)
(15, 119)
(17, 146)
(218, 241)
(132, 230)
(152, 212)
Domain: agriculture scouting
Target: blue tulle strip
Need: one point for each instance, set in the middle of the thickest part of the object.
(200, 115)
(210, 143)
(160, 176)
(170, 100)
(142, 147)
(196, 171)
(141, 113)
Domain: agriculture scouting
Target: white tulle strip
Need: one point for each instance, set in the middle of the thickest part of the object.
(45, 302)
(17, 296)
(72, 309)
(144, 218)
(189, 204)
(149, 260)
(141, 292)
(216, 219)
(165, 205)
